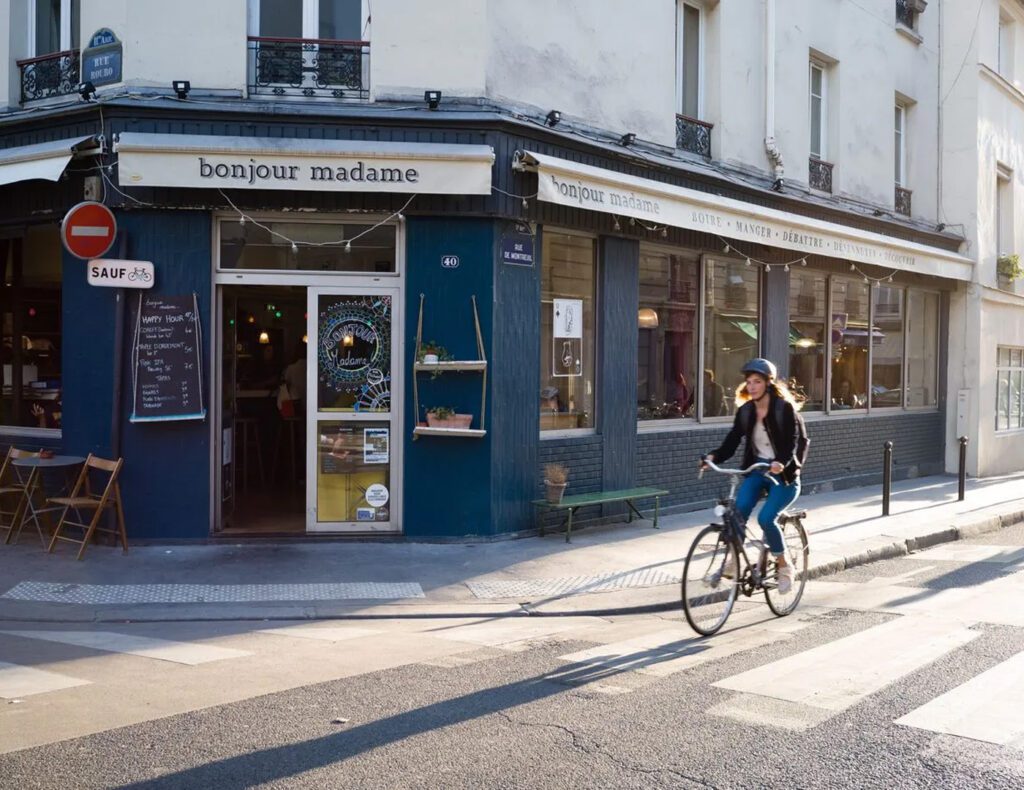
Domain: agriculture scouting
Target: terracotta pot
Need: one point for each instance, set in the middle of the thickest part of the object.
(554, 492)
(455, 421)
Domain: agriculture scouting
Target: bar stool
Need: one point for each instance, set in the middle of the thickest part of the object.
(291, 426)
(247, 430)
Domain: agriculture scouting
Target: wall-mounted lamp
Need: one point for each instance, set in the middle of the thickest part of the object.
(432, 98)
(181, 87)
(87, 91)
(305, 338)
(553, 118)
(627, 139)
(647, 318)
(264, 338)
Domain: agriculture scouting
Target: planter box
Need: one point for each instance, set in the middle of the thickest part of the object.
(455, 421)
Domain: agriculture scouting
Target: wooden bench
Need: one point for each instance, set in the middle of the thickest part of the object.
(627, 495)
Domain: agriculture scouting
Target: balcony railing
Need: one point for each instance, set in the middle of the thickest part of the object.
(903, 201)
(309, 67)
(693, 135)
(820, 174)
(905, 13)
(50, 75)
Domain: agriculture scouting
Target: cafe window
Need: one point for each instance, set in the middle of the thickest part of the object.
(731, 330)
(31, 351)
(307, 246)
(1009, 386)
(808, 297)
(887, 347)
(850, 335)
(667, 340)
(922, 348)
(568, 332)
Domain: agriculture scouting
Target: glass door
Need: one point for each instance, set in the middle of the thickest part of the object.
(352, 370)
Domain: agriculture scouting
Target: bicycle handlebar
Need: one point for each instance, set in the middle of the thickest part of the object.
(714, 467)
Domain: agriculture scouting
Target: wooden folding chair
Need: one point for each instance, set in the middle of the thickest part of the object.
(11, 486)
(82, 498)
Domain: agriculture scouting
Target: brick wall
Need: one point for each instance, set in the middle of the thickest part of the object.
(844, 452)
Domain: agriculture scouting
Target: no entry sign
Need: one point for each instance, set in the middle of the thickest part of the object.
(88, 230)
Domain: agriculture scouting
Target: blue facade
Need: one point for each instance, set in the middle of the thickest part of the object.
(166, 476)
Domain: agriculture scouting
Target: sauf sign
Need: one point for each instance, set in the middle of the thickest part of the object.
(110, 273)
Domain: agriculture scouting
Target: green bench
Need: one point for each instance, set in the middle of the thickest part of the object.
(627, 495)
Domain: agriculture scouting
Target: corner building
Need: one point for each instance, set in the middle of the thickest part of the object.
(596, 228)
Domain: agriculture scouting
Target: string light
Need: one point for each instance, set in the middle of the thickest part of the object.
(616, 221)
(767, 267)
(526, 203)
(294, 243)
(786, 267)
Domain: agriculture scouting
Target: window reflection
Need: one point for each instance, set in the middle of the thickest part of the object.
(807, 299)
(667, 340)
(887, 347)
(849, 321)
(732, 330)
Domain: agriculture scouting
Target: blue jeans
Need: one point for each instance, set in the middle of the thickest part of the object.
(780, 497)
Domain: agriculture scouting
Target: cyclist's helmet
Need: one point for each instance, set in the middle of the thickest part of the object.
(762, 367)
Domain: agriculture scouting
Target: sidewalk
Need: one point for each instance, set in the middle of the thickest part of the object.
(610, 569)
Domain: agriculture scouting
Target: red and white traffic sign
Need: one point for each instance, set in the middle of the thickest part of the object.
(88, 230)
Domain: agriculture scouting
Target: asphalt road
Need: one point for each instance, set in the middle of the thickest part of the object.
(810, 701)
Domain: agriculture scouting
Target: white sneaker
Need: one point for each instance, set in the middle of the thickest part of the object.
(729, 571)
(784, 578)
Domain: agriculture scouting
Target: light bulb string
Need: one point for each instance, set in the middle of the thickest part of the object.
(730, 246)
(295, 243)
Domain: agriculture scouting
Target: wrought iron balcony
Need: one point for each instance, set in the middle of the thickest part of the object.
(693, 135)
(820, 174)
(903, 201)
(56, 74)
(309, 67)
(905, 13)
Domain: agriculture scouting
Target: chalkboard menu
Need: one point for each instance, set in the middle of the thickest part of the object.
(167, 360)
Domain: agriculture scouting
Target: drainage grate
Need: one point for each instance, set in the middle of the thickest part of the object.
(570, 585)
(209, 593)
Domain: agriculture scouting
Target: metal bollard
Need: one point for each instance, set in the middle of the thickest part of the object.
(963, 468)
(886, 477)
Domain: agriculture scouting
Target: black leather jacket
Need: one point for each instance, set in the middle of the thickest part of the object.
(785, 431)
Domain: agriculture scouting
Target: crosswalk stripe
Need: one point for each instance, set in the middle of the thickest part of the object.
(324, 633)
(972, 552)
(111, 642)
(839, 674)
(17, 681)
(987, 707)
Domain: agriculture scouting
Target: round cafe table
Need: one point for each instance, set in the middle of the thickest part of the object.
(33, 483)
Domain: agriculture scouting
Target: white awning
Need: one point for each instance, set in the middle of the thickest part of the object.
(42, 160)
(582, 186)
(211, 161)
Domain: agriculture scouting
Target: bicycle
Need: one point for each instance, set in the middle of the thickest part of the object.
(139, 273)
(708, 593)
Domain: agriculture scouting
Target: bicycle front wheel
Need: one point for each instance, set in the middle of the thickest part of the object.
(708, 592)
(795, 538)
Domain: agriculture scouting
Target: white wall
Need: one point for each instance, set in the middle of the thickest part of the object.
(15, 44)
(196, 40)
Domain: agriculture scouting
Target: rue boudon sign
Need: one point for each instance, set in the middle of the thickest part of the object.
(88, 230)
(111, 273)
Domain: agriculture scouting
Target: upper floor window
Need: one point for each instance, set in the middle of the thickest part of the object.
(339, 20)
(900, 145)
(1007, 34)
(819, 110)
(54, 25)
(689, 35)
(907, 12)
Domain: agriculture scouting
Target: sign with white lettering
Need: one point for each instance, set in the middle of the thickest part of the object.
(111, 273)
(101, 59)
(517, 250)
(322, 165)
(449, 261)
(167, 358)
(582, 186)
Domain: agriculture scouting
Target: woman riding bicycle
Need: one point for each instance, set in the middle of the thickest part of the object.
(767, 416)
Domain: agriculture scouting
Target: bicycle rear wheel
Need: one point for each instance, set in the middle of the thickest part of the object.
(708, 594)
(795, 538)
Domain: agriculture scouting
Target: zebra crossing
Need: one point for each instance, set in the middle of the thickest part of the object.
(47, 673)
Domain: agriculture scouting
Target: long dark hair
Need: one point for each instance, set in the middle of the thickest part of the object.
(780, 388)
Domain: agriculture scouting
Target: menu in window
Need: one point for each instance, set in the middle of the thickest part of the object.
(167, 360)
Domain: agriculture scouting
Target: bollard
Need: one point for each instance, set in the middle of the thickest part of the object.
(886, 477)
(962, 474)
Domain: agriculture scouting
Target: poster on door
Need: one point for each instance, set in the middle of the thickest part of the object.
(567, 338)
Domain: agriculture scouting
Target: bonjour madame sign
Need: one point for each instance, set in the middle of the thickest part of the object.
(168, 160)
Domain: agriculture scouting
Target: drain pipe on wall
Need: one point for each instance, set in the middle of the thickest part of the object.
(770, 146)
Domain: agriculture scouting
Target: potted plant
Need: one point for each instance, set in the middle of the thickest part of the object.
(446, 417)
(432, 352)
(1009, 267)
(556, 478)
